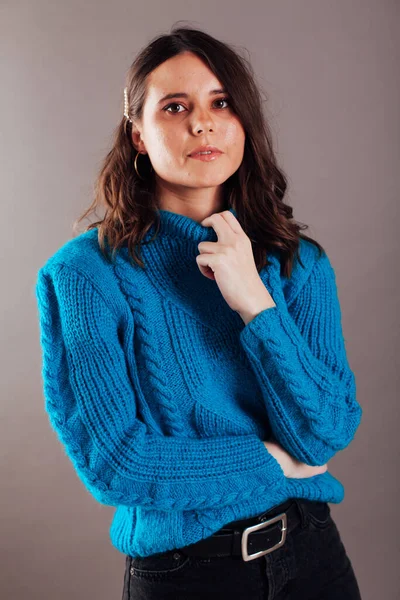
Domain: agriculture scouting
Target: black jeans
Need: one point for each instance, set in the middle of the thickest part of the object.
(312, 564)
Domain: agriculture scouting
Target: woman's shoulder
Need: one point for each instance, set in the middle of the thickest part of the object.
(309, 254)
(304, 262)
(82, 257)
(81, 253)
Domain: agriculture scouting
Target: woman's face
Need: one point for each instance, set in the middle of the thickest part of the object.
(170, 129)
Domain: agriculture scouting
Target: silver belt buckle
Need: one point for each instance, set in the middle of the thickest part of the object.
(245, 555)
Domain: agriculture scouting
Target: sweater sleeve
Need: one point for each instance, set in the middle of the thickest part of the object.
(91, 405)
(298, 355)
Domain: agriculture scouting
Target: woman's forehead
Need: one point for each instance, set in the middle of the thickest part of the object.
(182, 75)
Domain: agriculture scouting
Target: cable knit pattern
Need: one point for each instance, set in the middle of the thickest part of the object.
(299, 356)
(161, 397)
(173, 424)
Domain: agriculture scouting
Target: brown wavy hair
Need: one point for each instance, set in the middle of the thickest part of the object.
(256, 190)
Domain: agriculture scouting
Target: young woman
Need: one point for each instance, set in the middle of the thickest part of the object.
(194, 364)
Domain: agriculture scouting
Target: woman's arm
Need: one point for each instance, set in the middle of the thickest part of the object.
(92, 405)
(291, 466)
(299, 357)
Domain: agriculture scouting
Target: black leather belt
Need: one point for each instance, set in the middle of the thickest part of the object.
(250, 538)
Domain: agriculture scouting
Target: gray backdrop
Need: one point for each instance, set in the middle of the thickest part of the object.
(329, 69)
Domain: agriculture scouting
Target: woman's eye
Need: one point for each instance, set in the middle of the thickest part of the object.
(223, 100)
(171, 104)
(166, 108)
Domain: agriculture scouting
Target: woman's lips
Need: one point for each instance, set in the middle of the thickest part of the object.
(206, 157)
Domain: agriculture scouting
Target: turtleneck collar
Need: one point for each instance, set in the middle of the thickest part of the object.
(171, 266)
(176, 225)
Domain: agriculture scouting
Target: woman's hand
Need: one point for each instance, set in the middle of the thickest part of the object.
(230, 262)
(291, 466)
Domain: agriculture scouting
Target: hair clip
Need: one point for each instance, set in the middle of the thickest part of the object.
(126, 105)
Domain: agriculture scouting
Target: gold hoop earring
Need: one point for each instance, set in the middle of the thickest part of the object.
(136, 169)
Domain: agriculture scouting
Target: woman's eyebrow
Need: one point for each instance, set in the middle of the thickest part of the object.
(184, 95)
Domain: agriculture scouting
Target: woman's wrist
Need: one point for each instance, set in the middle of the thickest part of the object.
(285, 460)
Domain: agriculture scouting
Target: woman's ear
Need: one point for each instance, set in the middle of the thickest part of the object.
(137, 139)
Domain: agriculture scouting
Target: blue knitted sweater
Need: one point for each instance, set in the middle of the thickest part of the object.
(162, 397)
